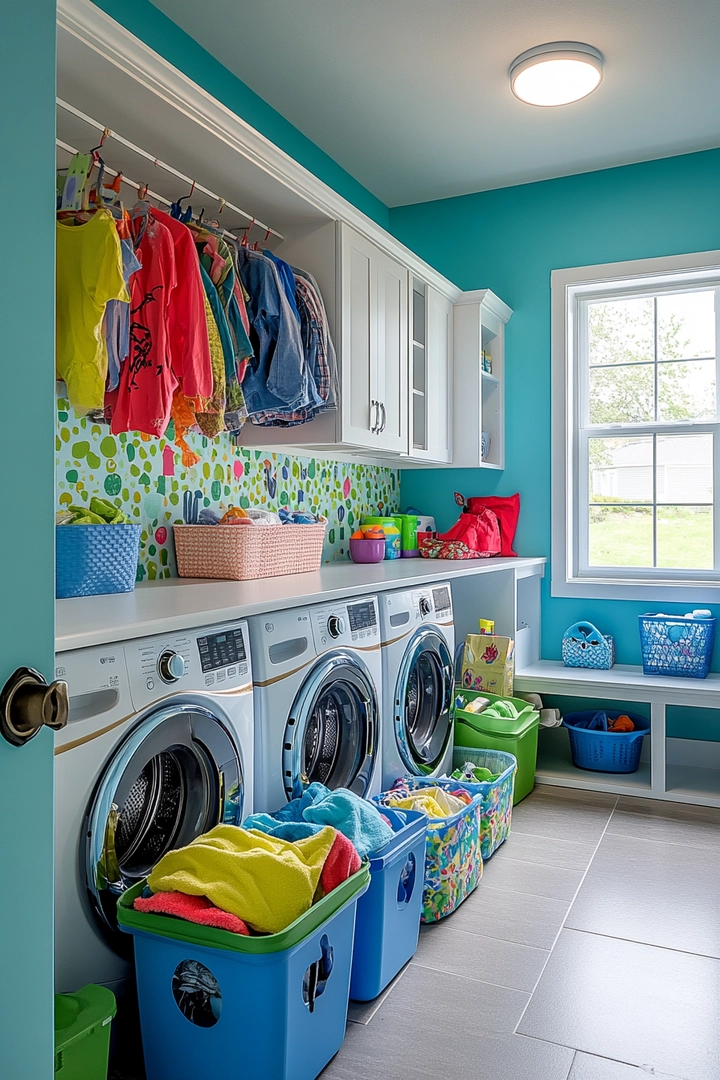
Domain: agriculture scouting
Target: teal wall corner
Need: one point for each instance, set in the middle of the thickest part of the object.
(162, 35)
(27, 535)
(510, 240)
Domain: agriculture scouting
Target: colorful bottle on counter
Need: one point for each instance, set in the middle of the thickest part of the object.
(392, 534)
(408, 526)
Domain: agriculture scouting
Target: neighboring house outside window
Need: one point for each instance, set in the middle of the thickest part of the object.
(636, 429)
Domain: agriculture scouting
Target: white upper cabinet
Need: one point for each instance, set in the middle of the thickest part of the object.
(374, 346)
(431, 373)
(479, 378)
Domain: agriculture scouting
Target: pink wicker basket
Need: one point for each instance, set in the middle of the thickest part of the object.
(242, 552)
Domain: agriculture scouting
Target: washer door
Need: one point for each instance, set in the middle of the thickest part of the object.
(331, 732)
(423, 697)
(176, 775)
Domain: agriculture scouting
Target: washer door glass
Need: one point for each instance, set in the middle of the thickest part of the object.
(176, 775)
(423, 722)
(331, 733)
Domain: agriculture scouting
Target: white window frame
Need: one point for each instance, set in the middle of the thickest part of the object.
(569, 578)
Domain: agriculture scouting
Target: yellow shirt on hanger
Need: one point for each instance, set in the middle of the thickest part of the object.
(89, 273)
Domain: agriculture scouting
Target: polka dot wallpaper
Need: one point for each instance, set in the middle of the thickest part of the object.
(146, 478)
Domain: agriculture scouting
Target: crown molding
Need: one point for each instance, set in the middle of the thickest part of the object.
(97, 30)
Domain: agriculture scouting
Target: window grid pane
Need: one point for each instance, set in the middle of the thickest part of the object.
(650, 501)
(627, 340)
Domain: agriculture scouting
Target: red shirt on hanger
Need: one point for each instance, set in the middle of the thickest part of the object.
(187, 325)
(143, 399)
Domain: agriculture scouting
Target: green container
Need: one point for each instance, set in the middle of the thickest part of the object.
(212, 938)
(518, 737)
(82, 1033)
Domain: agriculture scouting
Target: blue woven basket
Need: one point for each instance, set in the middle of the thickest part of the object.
(676, 645)
(94, 559)
(606, 751)
(584, 646)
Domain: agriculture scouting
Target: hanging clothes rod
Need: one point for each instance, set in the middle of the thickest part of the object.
(160, 165)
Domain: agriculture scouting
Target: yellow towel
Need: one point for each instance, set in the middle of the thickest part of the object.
(435, 802)
(265, 881)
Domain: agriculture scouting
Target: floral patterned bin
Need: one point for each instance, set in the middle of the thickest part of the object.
(453, 860)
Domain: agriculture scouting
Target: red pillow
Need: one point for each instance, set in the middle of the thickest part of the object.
(507, 511)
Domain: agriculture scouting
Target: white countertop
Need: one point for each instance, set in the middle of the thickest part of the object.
(157, 607)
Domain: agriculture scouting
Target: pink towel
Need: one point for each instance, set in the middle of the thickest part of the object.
(197, 909)
(342, 861)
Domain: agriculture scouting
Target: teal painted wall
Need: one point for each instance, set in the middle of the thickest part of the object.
(27, 293)
(178, 48)
(510, 240)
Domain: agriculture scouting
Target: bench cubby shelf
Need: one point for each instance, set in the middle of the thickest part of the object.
(672, 769)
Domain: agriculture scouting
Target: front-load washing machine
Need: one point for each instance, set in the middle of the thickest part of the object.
(157, 750)
(418, 641)
(317, 674)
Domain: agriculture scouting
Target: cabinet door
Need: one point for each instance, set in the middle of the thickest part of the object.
(439, 375)
(360, 416)
(392, 354)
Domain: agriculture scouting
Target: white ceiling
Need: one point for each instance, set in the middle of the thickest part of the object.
(412, 96)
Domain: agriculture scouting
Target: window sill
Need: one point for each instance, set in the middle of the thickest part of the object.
(678, 592)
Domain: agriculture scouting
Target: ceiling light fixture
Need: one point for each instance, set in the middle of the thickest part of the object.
(556, 73)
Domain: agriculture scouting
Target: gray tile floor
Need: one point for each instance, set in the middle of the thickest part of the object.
(590, 951)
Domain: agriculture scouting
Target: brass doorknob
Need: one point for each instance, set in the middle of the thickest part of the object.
(27, 703)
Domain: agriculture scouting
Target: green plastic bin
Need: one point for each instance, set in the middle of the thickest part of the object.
(82, 1033)
(518, 737)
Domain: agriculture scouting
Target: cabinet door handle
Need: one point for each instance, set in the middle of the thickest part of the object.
(381, 428)
(374, 423)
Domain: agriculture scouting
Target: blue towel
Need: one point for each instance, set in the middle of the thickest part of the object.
(356, 818)
(317, 807)
(283, 830)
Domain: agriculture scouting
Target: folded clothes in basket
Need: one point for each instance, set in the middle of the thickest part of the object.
(434, 801)
(265, 881)
(318, 806)
(196, 909)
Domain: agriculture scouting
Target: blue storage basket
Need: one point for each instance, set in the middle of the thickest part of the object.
(94, 559)
(676, 645)
(497, 795)
(222, 1012)
(584, 646)
(606, 751)
(388, 914)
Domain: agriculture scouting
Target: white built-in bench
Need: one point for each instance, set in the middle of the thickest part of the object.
(677, 770)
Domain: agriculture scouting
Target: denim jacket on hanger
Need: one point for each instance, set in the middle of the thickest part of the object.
(277, 376)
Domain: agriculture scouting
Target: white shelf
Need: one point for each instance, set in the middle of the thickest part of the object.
(418, 344)
(418, 393)
(554, 766)
(621, 683)
(490, 379)
(157, 607)
(671, 769)
(689, 783)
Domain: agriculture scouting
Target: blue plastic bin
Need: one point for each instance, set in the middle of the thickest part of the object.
(606, 751)
(211, 1012)
(388, 915)
(676, 645)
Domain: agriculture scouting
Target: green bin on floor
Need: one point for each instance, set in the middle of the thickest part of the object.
(82, 1033)
(518, 737)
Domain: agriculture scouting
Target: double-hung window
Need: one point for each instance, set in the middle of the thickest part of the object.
(636, 429)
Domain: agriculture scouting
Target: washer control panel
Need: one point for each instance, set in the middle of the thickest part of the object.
(210, 660)
(353, 623)
(433, 603)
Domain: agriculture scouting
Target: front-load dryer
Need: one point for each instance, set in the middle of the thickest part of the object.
(317, 674)
(418, 641)
(157, 750)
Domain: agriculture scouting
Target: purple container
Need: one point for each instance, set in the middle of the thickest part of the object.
(365, 551)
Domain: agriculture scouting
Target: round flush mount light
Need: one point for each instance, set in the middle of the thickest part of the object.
(556, 73)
